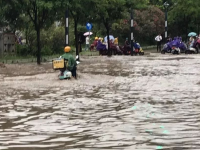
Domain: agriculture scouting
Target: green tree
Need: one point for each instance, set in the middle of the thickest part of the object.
(2, 17)
(41, 13)
(110, 11)
(107, 12)
(159, 3)
(10, 16)
(79, 12)
(147, 23)
(184, 15)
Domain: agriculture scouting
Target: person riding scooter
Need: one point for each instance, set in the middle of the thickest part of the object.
(175, 46)
(71, 61)
(193, 46)
(127, 46)
(94, 44)
(126, 43)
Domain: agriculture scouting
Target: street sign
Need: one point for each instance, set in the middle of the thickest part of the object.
(88, 26)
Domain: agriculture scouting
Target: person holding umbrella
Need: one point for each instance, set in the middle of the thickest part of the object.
(192, 34)
(87, 40)
(87, 43)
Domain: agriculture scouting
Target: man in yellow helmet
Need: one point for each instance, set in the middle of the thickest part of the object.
(71, 61)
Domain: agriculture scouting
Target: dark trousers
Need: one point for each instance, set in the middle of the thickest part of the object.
(74, 72)
(158, 46)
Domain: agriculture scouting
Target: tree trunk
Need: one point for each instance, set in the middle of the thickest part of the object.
(14, 31)
(76, 37)
(186, 32)
(38, 46)
(186, 27)
(26, 33)
(108, 39)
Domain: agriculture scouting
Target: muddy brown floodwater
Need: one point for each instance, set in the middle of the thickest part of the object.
(124, 103)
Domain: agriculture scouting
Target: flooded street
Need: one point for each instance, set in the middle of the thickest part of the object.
(121, 103)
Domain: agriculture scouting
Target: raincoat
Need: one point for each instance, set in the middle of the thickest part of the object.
(71, 61)
(116, 41)
(100, 46)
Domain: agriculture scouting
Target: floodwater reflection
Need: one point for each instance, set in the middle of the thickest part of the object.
(153, 105)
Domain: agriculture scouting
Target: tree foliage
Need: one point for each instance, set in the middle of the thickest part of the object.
(184, 17)
(107, 17)
(147, 23)
(40, 12)
(108, 11)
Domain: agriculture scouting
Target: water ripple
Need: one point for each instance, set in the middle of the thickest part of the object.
(155, 103)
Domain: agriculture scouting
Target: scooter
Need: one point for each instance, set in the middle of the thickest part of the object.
(183, 47)
(61, 64)
(166, 48)
(175, 49)
(177, 45)
(194, 49)
(191, 50)
(138, 49)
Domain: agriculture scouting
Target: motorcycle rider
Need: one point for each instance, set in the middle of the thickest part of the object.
(116, 41)
(71, 65)
(94, 44)
(126, 42)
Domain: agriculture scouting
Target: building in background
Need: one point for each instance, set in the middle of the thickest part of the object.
(7, 43)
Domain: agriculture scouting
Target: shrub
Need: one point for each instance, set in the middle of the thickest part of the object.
(22, 50)
(46, 51)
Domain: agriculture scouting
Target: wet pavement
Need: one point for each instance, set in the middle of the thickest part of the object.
(124, 103)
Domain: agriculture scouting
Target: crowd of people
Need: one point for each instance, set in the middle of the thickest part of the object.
(99, 40)
(193, 40)
(100, 43)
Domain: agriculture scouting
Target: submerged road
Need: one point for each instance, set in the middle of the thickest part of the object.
(124, 103)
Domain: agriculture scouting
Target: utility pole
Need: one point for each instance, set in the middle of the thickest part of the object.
(132, 37)
(166, 6)
(67, 28)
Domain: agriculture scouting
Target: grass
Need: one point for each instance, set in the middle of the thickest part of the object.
(25, 59)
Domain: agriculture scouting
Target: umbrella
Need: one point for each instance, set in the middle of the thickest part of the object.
(111, 37)
(192, 34)
(87, 33)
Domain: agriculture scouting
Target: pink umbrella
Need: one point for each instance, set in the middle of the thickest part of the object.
(87, 33)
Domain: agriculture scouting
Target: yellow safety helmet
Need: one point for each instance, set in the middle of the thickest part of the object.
(67, 49)
(96, 38)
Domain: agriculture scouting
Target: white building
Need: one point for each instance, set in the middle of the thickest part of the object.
(7, 43)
